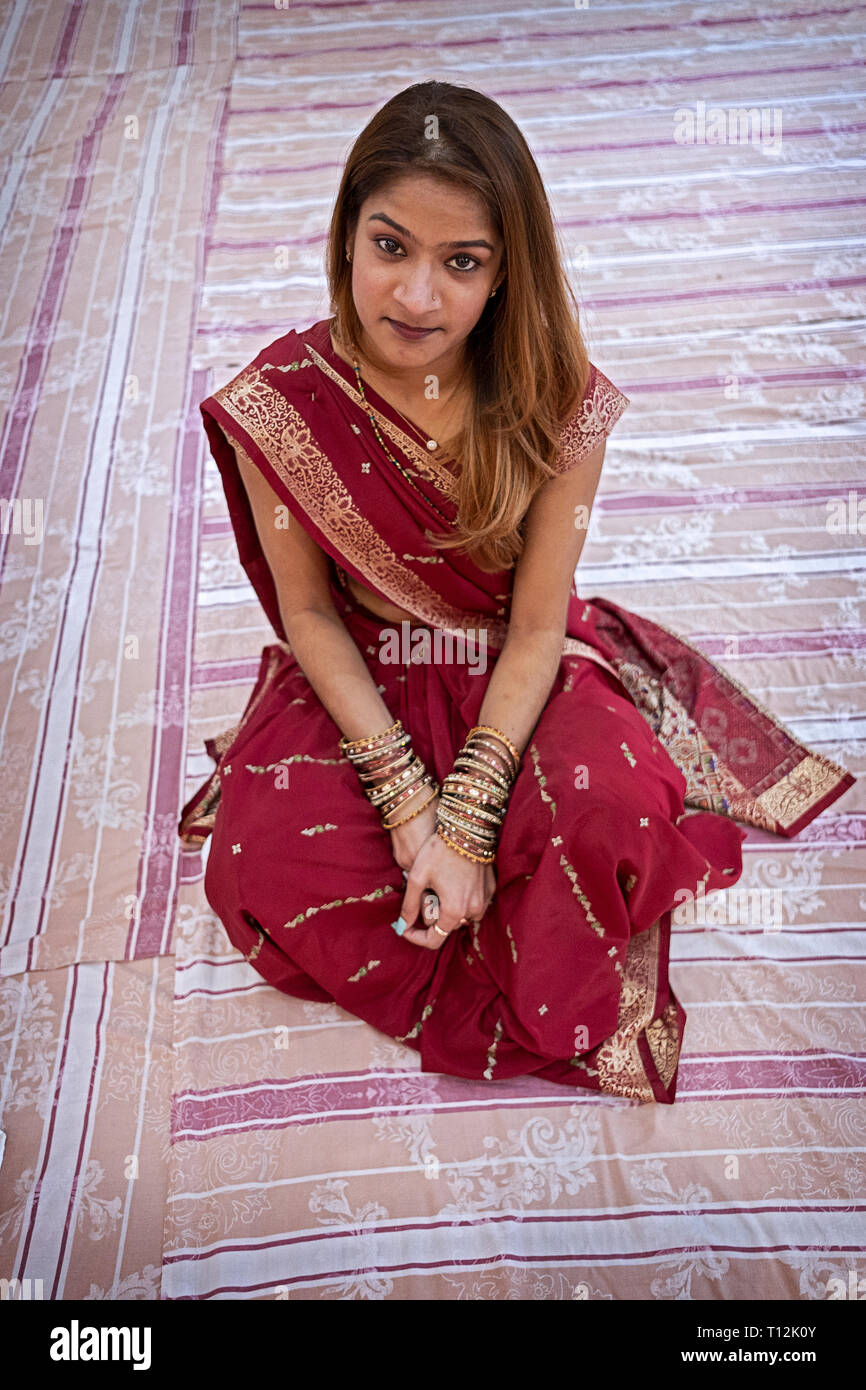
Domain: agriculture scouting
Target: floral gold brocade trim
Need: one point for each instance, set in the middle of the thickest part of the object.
(425, 460)
(598, 412)
(790, 798)
(621, 1070)
(793, 795)
(279, 432)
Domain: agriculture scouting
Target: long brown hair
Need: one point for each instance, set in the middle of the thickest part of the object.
(526, 353)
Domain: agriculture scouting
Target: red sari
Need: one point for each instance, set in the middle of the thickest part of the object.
(644, 757)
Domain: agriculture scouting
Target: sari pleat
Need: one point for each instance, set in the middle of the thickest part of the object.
(645, 762)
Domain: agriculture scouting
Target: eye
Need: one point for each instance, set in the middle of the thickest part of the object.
(464, 256)
(377, 241)
(461, 255)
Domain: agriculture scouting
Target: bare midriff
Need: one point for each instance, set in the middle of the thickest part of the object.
(376, 604)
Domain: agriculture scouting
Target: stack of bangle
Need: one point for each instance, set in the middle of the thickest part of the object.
(474, 796)
(390, 770)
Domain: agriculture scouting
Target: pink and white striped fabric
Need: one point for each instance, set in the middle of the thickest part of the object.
(173, 1127)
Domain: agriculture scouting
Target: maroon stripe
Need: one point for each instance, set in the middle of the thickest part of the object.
(274, 1101)
(613, 220)
(559, 90)
(230, 672)
(220, 993)
(184, 33)
(202, 960)
(157, 879)
(726, 20)
(773, 287)
(157, 886)
(41, 331)
(22, 414)
(559, 36)
(67, 39)
(99, 405)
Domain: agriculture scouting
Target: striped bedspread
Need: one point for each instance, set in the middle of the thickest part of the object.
(173, 1128)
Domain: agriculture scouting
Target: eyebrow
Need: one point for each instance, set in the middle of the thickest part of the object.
(383, 217)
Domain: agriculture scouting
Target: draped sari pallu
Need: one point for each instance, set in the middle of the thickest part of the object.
(642, 761)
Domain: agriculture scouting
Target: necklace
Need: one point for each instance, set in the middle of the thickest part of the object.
(431, 444)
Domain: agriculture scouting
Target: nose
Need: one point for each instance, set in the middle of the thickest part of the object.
(417, 290)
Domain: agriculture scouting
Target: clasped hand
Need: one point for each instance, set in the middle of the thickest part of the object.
(464, 888)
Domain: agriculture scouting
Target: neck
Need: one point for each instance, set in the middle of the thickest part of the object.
(408, 382)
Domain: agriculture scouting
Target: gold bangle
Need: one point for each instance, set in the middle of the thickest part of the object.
(368, 740)
(501, 757)
(459, 806)
(387, 808)
(479, 762)
(384, 790)
(406, 795)
(475, 794)
(379, 757)
(478, 859)
(413, 814)
(480, 835)
(488, 729)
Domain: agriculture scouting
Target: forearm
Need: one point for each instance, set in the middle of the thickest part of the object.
(335, 668)
(520, 684)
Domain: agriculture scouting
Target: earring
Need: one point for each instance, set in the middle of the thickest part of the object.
(348, 257)
(490, 296)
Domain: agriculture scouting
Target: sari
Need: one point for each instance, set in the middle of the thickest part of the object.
(643, 760)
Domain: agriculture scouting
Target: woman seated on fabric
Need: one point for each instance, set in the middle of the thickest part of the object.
(424, 465)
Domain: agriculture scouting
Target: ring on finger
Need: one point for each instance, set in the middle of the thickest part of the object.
(438, 929)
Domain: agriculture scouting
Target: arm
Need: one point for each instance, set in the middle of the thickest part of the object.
(521, 680)
(325, 650)
(527, 665)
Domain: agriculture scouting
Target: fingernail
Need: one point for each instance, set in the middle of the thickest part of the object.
(399, 926)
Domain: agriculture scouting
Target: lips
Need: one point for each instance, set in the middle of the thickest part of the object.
(410, 327)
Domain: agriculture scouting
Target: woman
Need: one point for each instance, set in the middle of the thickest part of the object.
(416, 471)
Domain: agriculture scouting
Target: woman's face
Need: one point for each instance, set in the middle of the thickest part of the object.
(407, 268)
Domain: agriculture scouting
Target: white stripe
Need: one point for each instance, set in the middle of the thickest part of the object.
(88, 1082)
(766, 945)
(417, 1223)
(148, 1065)
(615, 572)
(55, 1190)
(373, 1250)
(267, 1032)
(201, 976)
(776, 1004)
